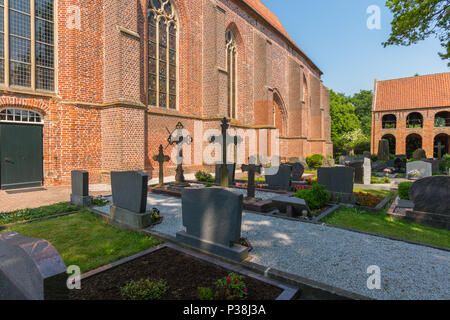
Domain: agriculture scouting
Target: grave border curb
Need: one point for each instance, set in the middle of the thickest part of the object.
(274, 274)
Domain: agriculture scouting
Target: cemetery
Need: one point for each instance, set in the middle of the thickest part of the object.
(186, 239)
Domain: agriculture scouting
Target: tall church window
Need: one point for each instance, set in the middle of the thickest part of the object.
(231, 60)
(27, 43)
(162, 54)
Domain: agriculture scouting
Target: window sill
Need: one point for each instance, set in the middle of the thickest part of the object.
(23, 90)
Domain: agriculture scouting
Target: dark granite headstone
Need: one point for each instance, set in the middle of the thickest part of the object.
(367, 154)
(297, 171)
(378, 166)
(281, 180)
(30, 269)
(213, 218)
(129, 190)
(383, 150)
(390, 163)
(434, 164)
(80, 188)
(431, 202)
(400, 165)
(431, 194)
(338, 179)
(231, 173)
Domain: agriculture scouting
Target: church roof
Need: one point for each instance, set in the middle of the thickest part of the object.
(412, 93)
(269, 17)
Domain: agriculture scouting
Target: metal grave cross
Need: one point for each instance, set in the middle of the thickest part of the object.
(161, 158)
(251, 169)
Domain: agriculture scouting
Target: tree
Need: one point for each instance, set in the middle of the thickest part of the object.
(416, 20)
(363, 109)
(342, 112)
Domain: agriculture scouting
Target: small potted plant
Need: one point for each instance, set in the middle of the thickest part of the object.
(156, 216)
(413, 175)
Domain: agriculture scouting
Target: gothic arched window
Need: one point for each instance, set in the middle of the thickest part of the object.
(231, 60)
(162, 54)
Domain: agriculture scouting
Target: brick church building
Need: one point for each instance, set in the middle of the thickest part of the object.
(413, 113)
(96, 85)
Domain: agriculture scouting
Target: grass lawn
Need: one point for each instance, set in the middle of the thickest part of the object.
(387, 225)
(85, 240)
(30, 214)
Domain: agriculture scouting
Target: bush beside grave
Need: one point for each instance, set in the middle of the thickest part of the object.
(315, 160)
(144, 289)
(315, 197)
(202, 176)
(403, 190)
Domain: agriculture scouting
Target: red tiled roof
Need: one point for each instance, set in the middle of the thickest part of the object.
(270, 18)
(412, 93)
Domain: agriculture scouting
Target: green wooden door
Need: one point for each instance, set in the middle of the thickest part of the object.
(21, 156)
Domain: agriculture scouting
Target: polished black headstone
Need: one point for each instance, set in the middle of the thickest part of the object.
(129, 190)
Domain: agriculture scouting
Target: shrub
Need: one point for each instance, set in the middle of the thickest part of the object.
(315, 197)
(204, 177)
(231, 287)
(205, 294)
(403, 190)
(315, 160)
(445, 163)
(362, 146)
(382, 180)
(155, 214)
(367, 199)
(144, 289)
(374, 158)
(99, 202)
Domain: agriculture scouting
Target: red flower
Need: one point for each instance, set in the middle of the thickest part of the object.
(229, 279)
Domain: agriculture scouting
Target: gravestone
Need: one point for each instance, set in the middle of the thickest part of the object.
(292, 206)
(423, 168)
(161, 158)
(419, 154)
(363, 170)
(339, 182)
(223, 171)
(431, 202)
(400, 165)
(213, 218)
(129, 193)
(345, 159)
(231, 168)
(367, 154)
(251, 169)
(30, 269)
(378, 166)
(297, 171)
(281, 180)
(327, 162)
(390, 163)
(383, 150)
(80, 189)
(434, 164)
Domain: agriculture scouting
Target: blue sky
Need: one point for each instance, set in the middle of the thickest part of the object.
(334, 34)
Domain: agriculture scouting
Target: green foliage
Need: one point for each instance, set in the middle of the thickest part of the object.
(205, 294)
(382, 180)
(416, 20)
(445, 162)
(315, 160)
(374, 157)
(208, 185)
(30, 214)
(204, 177)
(315, 197)
(403, 190)
(99, 202)
(231, 287)
(344, 119)
(363, 110)
(439, 122)
(144, 289)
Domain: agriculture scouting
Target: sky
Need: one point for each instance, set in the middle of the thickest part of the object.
(335, 36)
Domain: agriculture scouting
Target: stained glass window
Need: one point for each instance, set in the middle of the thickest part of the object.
(162, 54)
(24, 67)
(231, 61)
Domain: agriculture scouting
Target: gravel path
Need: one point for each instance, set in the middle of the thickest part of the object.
(334, 256)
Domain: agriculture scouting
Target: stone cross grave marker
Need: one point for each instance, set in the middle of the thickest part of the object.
(440, 147)
(161, 158)
(224, 169)
(179, 177)
(251, 169)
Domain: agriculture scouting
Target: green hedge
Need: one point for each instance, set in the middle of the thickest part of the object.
(315, 197)
(315, 160)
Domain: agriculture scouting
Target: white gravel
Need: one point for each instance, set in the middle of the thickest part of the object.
(333, 256)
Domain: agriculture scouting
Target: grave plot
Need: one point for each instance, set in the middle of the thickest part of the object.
(180, 274)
